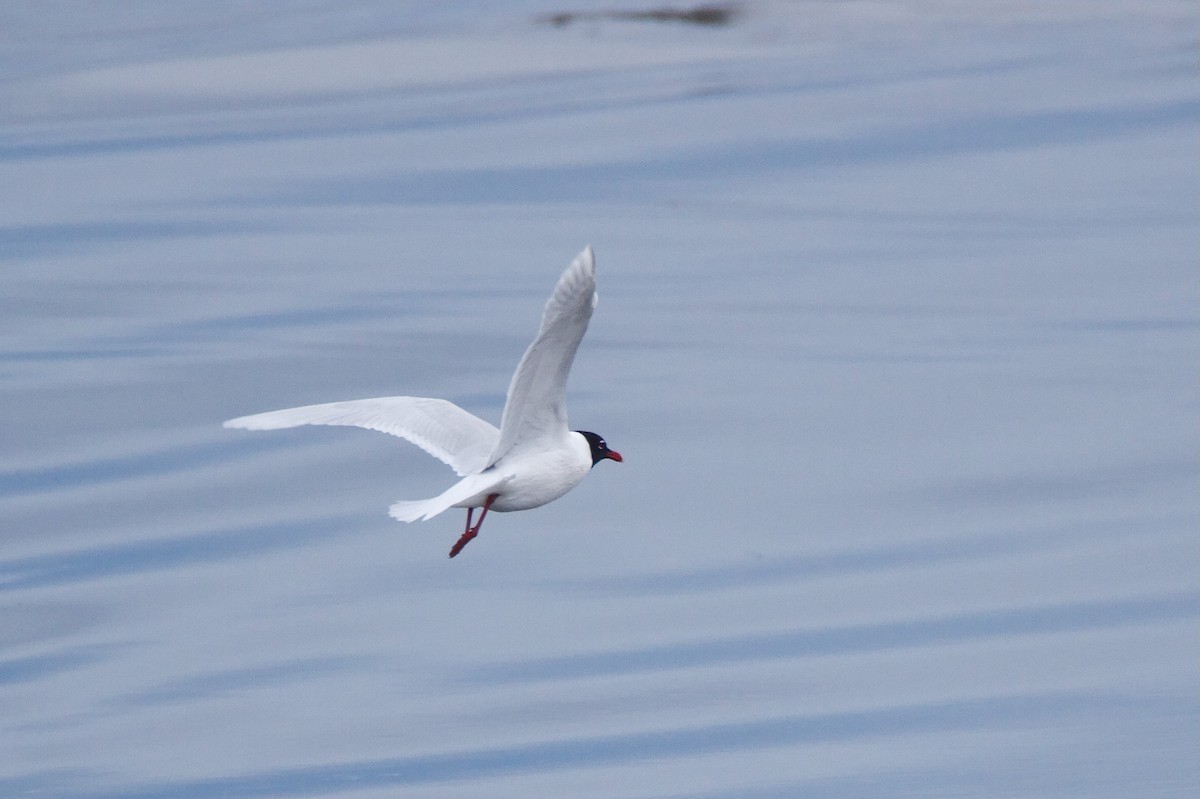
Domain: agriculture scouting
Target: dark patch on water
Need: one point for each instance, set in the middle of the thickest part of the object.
(710, 15)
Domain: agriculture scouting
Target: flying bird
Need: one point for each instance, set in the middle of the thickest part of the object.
(533, 458)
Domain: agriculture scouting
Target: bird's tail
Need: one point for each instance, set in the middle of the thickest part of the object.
(411, 510)
(469, 492)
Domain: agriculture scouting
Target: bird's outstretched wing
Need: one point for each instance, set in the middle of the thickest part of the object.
(459, 439)
(536, 404)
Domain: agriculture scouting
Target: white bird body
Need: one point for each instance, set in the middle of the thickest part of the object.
(531, 459)
(521, 482)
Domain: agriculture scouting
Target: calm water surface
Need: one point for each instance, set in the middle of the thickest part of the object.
(898, 335)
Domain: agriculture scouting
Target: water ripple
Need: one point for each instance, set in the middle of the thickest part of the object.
(595, 751)
(38, 667)
(860, 638)
(207, 685)
(61, 477)
(136, 557)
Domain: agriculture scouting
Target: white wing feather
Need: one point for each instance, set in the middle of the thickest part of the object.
(459, 439)
(536, 404)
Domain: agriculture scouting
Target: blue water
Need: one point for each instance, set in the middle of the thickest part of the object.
(898, 336)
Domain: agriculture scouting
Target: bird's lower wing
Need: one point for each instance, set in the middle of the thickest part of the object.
(459, 439)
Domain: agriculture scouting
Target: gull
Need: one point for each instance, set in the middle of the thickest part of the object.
(533, 458)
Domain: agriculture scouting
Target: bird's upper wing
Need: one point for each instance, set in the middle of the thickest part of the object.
(447, 432)
(536, 404)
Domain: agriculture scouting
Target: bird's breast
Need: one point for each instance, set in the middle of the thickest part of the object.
(540, 477)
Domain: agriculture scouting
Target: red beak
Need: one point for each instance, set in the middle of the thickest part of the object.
(613, 455)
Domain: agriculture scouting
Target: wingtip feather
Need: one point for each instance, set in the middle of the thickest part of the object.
(587, 259)
(259, 421)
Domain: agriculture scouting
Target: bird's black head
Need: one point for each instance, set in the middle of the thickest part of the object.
(600, 450)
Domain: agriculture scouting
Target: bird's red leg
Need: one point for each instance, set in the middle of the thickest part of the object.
(471, 532)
